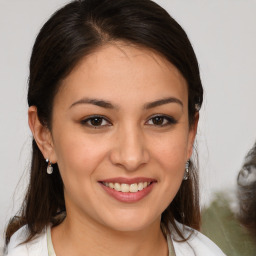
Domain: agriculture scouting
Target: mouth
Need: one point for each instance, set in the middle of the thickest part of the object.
(127, 188)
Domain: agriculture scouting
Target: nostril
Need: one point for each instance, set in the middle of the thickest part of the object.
(130, 158)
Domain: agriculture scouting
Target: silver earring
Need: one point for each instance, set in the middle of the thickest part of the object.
(197, 107)
(49, 167)
(186, 174)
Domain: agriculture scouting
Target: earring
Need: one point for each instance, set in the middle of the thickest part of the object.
(186, 174)
(197, 107)
(49, 167)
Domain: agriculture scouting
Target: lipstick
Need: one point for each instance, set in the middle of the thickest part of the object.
(128, 190)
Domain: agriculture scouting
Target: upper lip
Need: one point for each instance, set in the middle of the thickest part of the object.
(128, 180)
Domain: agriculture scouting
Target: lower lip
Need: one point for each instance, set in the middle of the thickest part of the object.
(128, 197)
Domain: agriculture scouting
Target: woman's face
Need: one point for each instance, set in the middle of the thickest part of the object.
(120, 123)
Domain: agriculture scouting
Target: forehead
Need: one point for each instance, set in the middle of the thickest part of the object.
(108, 58)
(119, 68)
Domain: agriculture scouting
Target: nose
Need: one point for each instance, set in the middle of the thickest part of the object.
(129, 151)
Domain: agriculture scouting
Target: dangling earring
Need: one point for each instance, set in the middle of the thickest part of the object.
(186, 174)
(49, 167)
(197, 107)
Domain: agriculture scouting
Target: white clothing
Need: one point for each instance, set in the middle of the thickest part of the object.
(197, 244)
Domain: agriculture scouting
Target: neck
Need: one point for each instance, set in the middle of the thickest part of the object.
(74, 237)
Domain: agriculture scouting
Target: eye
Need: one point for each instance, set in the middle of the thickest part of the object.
(250, 168)
(96, 122)
(247, 175)
(161, 120)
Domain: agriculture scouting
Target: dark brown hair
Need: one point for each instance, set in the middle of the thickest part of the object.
(246, 181)
(73, 32)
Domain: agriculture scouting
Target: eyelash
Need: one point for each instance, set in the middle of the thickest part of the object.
(167, 120)
(89, 119)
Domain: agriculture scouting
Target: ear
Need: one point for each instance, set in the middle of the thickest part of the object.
(42, 135)
(192, 135)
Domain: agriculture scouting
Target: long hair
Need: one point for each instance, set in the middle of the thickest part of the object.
(73, 32)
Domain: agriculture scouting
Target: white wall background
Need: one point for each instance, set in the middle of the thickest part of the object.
(223, 33)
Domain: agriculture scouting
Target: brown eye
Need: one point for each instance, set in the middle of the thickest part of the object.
(158, 120)
(96, 122)
(161, 120)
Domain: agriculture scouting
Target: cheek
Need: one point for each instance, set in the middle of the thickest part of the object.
(171, 149)
(170, 154)
(169, 157)
(78, 155)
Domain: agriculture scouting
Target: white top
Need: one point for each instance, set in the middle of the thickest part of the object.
(197, 244)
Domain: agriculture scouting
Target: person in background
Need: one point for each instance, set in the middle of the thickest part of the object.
(230, 220)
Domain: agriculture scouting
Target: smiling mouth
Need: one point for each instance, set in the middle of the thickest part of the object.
(127, 188)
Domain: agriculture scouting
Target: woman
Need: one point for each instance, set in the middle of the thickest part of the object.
(114, 97)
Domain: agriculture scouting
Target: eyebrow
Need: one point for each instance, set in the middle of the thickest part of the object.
(163, 102)
(108, 105)
(97, 102)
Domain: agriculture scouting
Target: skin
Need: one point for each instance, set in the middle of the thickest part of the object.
(128, 143)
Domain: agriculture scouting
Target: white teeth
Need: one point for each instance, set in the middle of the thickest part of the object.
(125, 188)
(106, 184)
(117, 187)
(133, 188)
(140, 186)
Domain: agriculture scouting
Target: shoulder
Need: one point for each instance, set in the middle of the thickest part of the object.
(38, 246)
(196, 244)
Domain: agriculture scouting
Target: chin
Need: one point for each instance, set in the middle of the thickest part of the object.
(131, 222)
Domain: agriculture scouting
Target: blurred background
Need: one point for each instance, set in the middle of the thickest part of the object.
(223, 34)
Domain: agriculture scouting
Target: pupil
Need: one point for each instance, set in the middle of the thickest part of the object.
(158, 120)
(96, 121)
